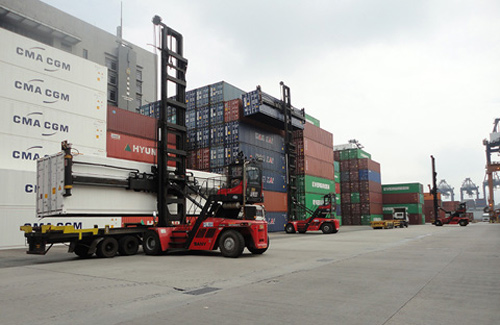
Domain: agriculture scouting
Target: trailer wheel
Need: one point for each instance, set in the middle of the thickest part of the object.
(290, 229)
(327, 228)
(82, 250)
(151, 243)
(231, 243)
(254, 250)
(108, 247)
(128, 245)
(439, 223)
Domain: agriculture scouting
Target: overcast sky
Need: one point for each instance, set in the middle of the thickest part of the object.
(407, 79)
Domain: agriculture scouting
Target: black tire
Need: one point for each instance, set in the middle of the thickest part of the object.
(438, 223)
(327, 228)
(151, 243)
(463, 223)
(290, 229)
(231, 243)
(108, 247)
(259, 250)
(128, 245)
(82, 250)
(334, 231)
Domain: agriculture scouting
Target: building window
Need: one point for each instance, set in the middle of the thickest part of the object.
(138, 74)
(112, 79)
(138, 100)
(112, 96)
(138, 85)
(85, 54)
(112, 64)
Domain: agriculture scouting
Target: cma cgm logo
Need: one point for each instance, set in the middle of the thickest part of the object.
(36, 120)
(35, 86)
(28, 154)
(36, 54)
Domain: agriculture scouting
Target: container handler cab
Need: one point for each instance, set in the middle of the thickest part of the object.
(320, 219)
(227, 218)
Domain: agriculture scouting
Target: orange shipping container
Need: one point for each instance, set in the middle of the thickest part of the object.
(275, 201)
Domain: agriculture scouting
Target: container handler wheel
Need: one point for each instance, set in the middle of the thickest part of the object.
(438, 223)
(231, 243)
(327, 228)
(463, 223)
(128, 245)
(151, 243)
(254, 250)
(290, 229)
(108, 247)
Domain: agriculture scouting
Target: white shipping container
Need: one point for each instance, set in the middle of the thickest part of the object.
(21, 153)
(12, 217)
(38, 89)
(37, 122)
(32, 55)
(18, 187)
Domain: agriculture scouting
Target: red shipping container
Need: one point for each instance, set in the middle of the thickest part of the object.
(345, 187)
(232, 110)
(367, 163)
(336, 155)
(353, 164)
(315, 133)
(369, 186)
(344, 165)
(337, 188)
(355, 187)
(203, 159)
(345, 198)
(370, 197)
(123, 146)
(275, 201)
(315, 167)
(354, 176)
(131, 123)
(317, 150)
(401, 198)
(355, 209)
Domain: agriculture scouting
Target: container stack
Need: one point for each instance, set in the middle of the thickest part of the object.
(47, 96)
(429, 206)
(315, 165)
(360, 187)
(409, 195)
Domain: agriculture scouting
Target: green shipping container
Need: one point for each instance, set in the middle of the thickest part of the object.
(367, 219)
(358, 154)
(337, 177)
(336, 167)
(355, 197)
(412, 208)
(344, 155)
(402, 188)
(312, 120)
(313, 184)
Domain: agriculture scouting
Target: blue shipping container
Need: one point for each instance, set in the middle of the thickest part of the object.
(217, 113)
(217, 134)
(191, 139)
(202, 115)
(191, 99)
(271, 160)
(190, 119)
(344, 176)
(202, 96)
(203, 137)
(223, 92)
(369, 175)
(258, 137)
(273, 181)
(216, 156)
(276, 221)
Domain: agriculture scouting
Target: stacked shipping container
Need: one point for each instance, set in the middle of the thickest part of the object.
(47, 96)
(409, 195)
(360, 187)
(315, 166)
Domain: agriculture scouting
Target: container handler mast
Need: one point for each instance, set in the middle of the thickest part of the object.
(227, 219)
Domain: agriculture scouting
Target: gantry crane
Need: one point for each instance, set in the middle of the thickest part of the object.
(445, 189)
(493, 145)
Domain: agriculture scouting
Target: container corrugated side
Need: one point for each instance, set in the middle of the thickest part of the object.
(401, 198)
(223, 92)
(271, 160)
(402, 188)
(367, 163)
(131, 123)
(412, 208)
(275, 201)
(313, 184)
(273, 181)
(27, 53)
(312, 120)
(243, 132)
(313, 149)
(36, 122)
(315, 167)
(316, 134)
(369, 175)
(46, 91)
